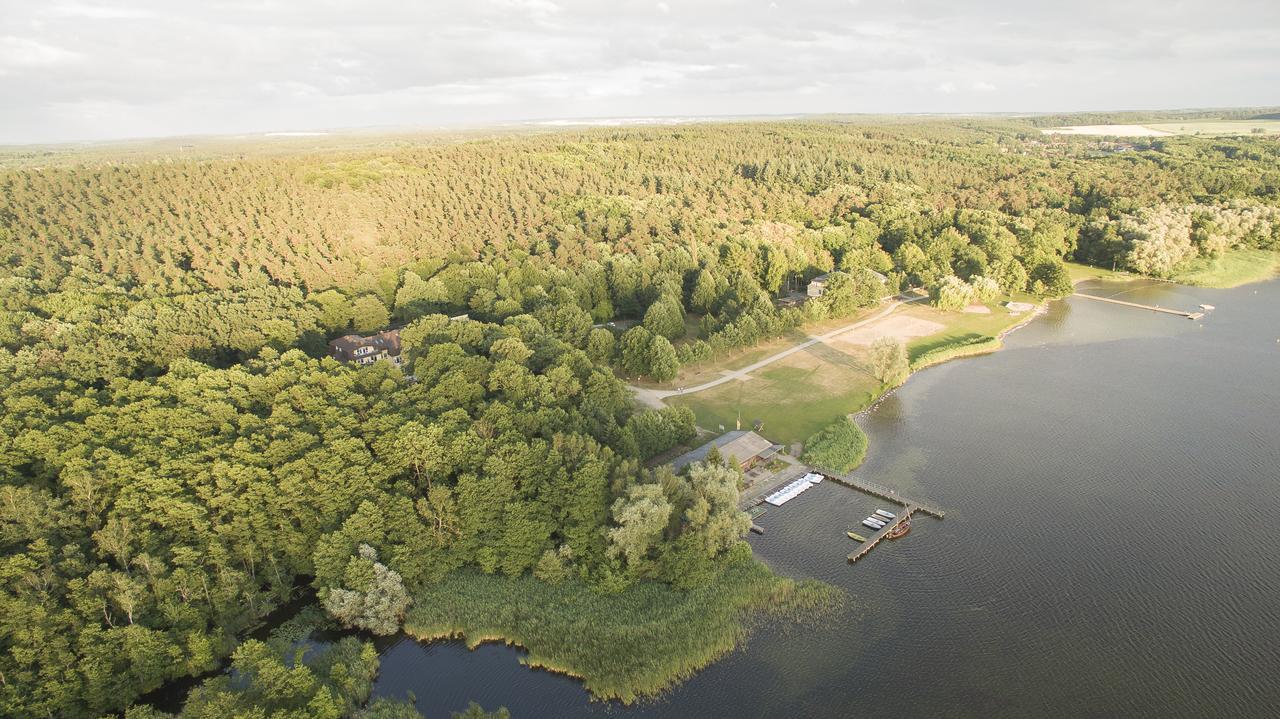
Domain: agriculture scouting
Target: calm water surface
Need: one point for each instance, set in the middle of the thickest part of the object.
(1111, 546)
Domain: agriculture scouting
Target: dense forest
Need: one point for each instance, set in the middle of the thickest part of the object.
(178, 456)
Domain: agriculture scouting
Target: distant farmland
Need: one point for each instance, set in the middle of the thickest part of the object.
(1179, 127)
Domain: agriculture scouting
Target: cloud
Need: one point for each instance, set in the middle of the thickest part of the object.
(18, 53)
(84, 69)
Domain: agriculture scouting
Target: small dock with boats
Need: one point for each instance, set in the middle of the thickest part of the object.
(879, 525)
(883, 523)
(893, 528)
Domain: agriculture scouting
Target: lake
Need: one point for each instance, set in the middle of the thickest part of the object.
(1111, 545)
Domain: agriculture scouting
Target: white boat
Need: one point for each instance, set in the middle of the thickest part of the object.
(789, 492)
(886, 515)
(814, 477)
(1207, 307)
(877, 520)
(871, 524)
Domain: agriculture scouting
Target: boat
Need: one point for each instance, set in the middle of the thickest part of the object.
(1207, 307)
(900, 530)
(885, 514)
(876, 523)
(855, 536)
(871, 524)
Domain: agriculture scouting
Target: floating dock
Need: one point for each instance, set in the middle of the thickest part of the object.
(1153, 308)
(793, 490)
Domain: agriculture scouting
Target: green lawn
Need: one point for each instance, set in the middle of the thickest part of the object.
(1079, 273)
(623, 646)
(962, 328)
(1232, 269)
(799, 395)
(794, 402)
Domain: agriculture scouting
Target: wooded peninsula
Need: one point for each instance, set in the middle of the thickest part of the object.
(181, 453)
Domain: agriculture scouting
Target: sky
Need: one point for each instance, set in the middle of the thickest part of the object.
(75, 70)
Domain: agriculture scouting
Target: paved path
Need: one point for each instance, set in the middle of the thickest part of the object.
(654, 397)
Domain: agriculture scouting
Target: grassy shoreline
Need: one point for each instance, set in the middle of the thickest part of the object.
(626, 646)
(1233, 268)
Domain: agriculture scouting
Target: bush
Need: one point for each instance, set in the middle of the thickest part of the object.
(840, 446)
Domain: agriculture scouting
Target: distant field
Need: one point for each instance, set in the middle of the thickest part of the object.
(1112, 130)
(1181, 127)
(1218, 127)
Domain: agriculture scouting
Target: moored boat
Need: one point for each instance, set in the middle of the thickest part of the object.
(871, 524)
(855, 536)
(900, 530)
(886, 514)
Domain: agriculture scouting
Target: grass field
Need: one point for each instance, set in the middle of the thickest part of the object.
(1217, 127)
(960, 328)
(623, 646)
(1207, 128)
(794, 397)
(1232, 269)
(1080, 273)
(801, 394)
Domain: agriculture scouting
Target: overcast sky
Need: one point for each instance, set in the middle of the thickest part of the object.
(87, 70)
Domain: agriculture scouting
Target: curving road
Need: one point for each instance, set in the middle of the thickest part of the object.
(654, 397)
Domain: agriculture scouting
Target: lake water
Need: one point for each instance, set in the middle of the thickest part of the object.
(1111, 546)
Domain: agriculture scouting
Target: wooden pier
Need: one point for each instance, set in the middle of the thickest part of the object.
(874, 539)
(909, 507)
(883, 492)
(1153, 308)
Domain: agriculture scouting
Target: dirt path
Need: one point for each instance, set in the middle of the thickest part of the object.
(654, 397)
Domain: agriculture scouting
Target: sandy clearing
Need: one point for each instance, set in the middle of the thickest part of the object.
(1117, 130)
(903, 327)
(976, 309)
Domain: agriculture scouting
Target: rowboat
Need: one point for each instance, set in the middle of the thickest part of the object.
(856, 537)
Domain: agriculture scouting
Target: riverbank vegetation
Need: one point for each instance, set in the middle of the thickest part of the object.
(1230, 269)
(178, 454)
(839, 447)
(623, 646)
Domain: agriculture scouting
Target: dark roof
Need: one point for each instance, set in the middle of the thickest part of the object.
(345, 346)
(740, 444)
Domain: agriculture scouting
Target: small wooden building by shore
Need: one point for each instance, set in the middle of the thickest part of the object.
(743, 447)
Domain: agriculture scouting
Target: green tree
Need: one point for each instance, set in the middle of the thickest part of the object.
(663, 362)
(952, 294)
(665, 318)
(600, 344)
(373, 597)
(635, 350)
(640, 517)
(369, 314)
(889, 361)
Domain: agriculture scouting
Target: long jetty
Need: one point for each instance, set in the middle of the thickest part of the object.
(883, 492)
(1153, 308)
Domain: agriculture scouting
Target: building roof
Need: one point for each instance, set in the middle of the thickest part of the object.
(345, 346)
(742, 445)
